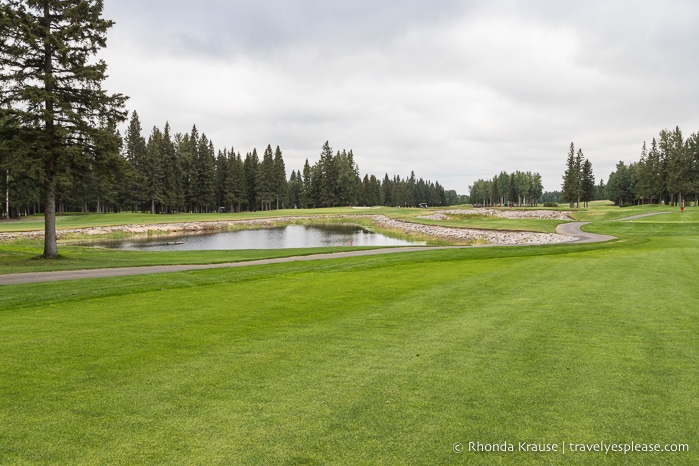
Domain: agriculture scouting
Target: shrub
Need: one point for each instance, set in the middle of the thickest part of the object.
(550, 204)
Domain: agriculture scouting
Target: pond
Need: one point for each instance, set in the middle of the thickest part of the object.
(292, 236)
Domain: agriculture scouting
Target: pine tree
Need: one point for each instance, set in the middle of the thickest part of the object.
(135, 154)
(387, 195)
(348, 182)
(578, 181)
(236, 195)
(570, 178)
(294, 189)
(587, 183)
(644, 175)
(679, 166)
(280, 184)
(656, 172)
(185, 147)
(327, 171)
(205, 175)
(109, 170)
(154, 173)
(306, 186)
(265, 179)
(173, 197)
(251, 166)
(692, 147)
(52, 84)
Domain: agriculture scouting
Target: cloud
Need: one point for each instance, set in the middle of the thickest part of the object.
(455, 91)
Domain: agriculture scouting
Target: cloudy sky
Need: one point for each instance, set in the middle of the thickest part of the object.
(454, 90)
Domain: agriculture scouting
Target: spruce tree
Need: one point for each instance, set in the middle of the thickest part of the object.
(135, 153)
(251, 165)
(280, 187)
(265, 179)
(306, 189)
(52, 82)
(154, 165)
(578, 181)
(570, 178)
(173, 195)
(327, 169)
(235, 183)
(587, 183)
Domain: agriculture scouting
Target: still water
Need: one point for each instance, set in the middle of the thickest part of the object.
(292, 236)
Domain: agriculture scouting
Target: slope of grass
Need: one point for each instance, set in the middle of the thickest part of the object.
(36, 222)
(376, 360)
(26, 257)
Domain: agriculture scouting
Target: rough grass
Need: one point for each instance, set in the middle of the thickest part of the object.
(376, 360)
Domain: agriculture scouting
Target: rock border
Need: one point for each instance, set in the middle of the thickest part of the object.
(459, 235)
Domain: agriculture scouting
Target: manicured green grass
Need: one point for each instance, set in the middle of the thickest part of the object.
(608, 211)
(36, 222)
(375, 360)
(26, 257)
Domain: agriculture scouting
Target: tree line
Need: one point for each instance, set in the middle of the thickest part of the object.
(167, 173)
(518, 188)
(667, 172)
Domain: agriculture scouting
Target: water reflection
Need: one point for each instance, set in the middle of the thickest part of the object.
(292, 236)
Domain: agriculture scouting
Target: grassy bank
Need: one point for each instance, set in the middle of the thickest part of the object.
(375, 360)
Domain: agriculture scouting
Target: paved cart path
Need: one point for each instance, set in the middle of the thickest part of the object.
(572, 229)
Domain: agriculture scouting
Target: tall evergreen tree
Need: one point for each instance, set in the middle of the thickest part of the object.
(348, 182)
(645, 175)
(135, 153)
(251, 164)
(265, 180)
(280, 184)
(294, 189)
(53, 85)
(570, 178)
(327, 174)
(587, 183)
(221, 170)
(185, 147)
(306, 200)
(579, 160)
(236, 195)
(679, 166)
(173, 196)
(621, 187)
(388, 198)
(692, 148)
(205, 175)
(154, 169)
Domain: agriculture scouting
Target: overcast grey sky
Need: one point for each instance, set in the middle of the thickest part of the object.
(454, 90)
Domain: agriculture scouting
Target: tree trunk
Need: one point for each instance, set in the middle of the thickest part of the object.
(50, 247)
(7, 194)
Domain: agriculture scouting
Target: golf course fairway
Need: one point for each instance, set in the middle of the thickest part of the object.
(434, 357)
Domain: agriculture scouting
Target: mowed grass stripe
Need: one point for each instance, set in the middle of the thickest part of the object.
(361, 361)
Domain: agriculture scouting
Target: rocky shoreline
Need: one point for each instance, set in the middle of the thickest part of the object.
(509, 214)
(457, 235)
